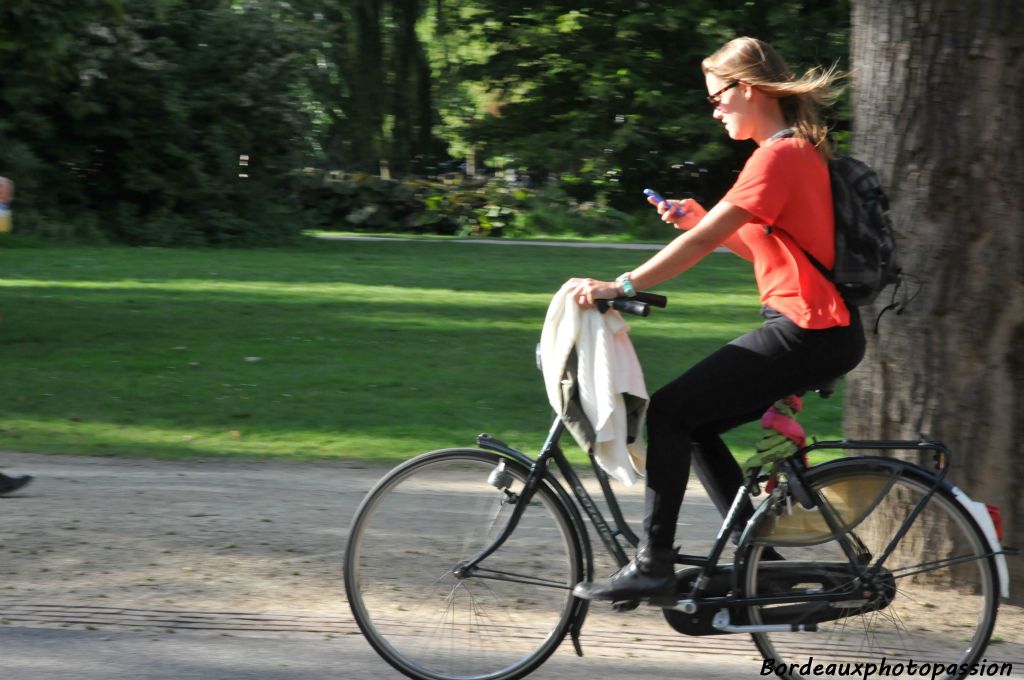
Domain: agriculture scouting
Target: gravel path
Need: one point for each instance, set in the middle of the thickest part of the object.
(212, 548)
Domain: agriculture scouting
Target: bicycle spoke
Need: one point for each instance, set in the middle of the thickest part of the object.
(936, 564)
(482, 573)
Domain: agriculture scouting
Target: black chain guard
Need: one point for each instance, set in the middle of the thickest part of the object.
(699, 623)
(777, 578)
(780, 578)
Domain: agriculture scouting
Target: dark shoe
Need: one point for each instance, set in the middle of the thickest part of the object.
(650, 574)
(9, 484)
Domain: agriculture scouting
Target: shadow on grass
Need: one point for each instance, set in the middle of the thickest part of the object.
(118, 351)
(406, 265)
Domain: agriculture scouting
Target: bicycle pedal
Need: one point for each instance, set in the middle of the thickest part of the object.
(622, 606)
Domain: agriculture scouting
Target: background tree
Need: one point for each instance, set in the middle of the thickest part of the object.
(609, 99)
(937, 100)
(130, 121)
(168, 122)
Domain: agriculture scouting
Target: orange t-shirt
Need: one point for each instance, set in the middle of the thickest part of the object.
(785, 185)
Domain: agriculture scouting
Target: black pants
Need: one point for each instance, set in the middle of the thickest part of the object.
(732, 386)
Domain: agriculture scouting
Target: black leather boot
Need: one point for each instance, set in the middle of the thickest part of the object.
(650, 574)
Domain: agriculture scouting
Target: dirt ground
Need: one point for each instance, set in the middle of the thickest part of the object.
(243, 546)
(207, 535)
(206, 538)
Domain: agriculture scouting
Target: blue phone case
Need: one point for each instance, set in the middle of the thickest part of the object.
(657, 197)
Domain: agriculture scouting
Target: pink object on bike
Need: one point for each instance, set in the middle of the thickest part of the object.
(773, 419)
(794, 402)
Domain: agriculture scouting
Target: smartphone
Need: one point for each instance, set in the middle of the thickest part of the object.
(676, 212)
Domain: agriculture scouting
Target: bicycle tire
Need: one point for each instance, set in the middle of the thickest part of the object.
(416, 526)
(930, 612)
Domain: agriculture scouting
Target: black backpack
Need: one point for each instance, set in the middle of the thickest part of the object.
(866, 258)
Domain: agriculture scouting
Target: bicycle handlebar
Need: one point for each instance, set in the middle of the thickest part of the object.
(654, 299)
(639, 305)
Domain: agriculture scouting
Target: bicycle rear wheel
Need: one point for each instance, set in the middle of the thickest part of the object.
(412, 532)
(936, 596)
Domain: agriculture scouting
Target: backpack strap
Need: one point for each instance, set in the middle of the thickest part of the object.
(784, 132)
(852, 307)
(827, 273)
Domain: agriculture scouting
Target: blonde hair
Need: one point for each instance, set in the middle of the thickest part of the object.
(755, 62)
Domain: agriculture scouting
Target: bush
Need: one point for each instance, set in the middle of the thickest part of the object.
(455, 205)
(164, 124)
(446, 205)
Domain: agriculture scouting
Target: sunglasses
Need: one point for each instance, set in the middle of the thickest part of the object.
(716, 98)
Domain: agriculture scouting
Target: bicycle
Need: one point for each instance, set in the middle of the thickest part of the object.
(460, 562)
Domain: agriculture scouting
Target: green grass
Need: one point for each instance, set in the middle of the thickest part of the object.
(406, 235)
(339, 349)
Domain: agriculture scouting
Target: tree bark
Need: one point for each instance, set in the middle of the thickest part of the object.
(411, 95)
(937, 98)
(368, 84)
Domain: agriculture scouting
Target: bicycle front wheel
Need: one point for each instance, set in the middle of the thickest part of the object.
(934, 598)
(409, 538)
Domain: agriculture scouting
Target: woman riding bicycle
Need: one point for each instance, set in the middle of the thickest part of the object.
(778, 211)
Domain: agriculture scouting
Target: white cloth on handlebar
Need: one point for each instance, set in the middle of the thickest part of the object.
(594, 381)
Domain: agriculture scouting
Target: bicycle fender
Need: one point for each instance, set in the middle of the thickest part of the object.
(579, 615)
(979, 512)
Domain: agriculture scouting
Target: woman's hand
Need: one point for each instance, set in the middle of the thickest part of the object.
(585, 291)
(682, 215)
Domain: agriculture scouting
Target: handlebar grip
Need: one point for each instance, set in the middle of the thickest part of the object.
(633, 306)
(639, 305)
(652, 299)
(624, 305)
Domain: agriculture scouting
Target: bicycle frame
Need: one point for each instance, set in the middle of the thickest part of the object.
(835, 524)
(551, 451)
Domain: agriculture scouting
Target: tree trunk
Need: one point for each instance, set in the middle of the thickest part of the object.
(411, 93)
(938, 96)
(368, 84)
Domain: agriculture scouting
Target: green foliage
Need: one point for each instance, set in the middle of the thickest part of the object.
(455, 205)
(173, 123)
(183, 122)
(611, 98)
(365, 202)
